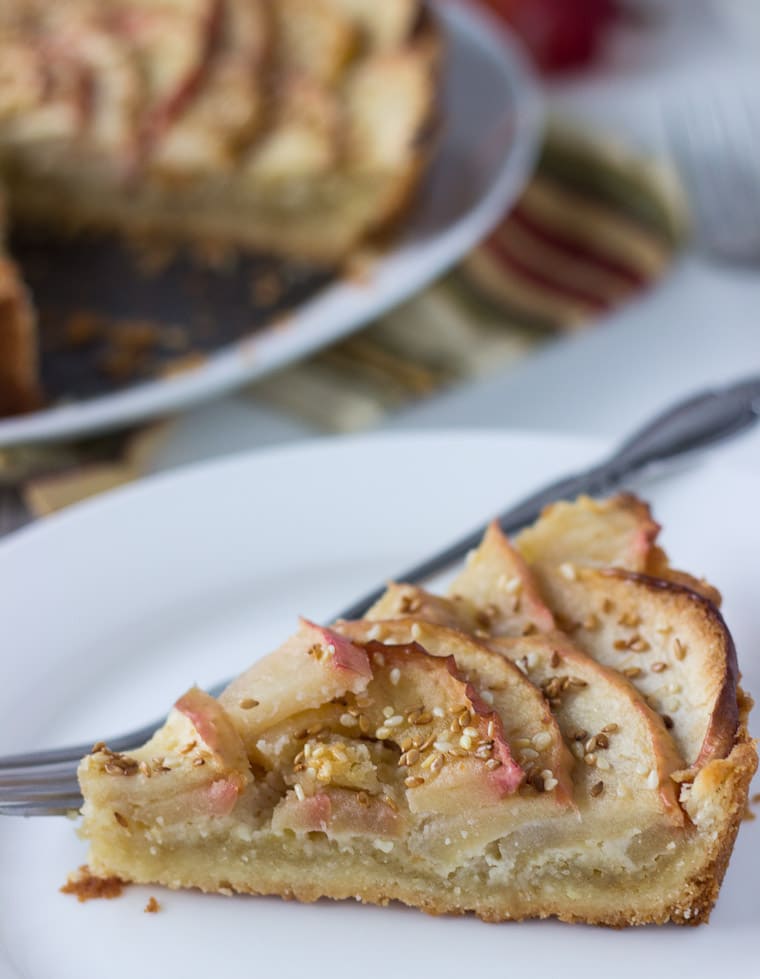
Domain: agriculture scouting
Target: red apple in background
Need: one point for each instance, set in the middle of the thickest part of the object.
(560, 34)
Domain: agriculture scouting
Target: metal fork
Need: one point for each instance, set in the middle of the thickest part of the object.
(44, 783)
(715, 143)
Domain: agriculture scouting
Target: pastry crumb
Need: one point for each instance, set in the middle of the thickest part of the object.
(152, 907)
(87, 887)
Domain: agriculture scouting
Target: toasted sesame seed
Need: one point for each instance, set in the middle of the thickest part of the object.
(395, 676)
(659, 667)
(364, 725)
(679, 650)
(391, 803)
(576, 683)
(632, 672)
(491, 728)
(610, 728)
(197, 762)
(567, 571)
(379, 659)
(597, 788)
(590, 744)
(542, 740)
(653, 780)
(121, 820)
(396, 721)
(300, 794)
(412, 756)
(550, 783)
(492, 764)
(620, 644)
(382, 733)
(438, 712)
(555, 660)
(471, 732)
(437, 764)
(406, 744)
(602, 741)
(348, 720)
(590, 759)
(530, 754)
(464, 718)
(590, 623)
(413, 781)
(465, 742)
(443, 746)
(638, 645)
(388, 711)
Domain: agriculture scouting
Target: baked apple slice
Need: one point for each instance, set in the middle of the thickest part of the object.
(670, 642)
(194, 766)
(497, 592)
(529, 728)
(312, 668)
(619, 532)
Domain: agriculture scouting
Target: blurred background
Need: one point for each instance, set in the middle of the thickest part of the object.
(614, 265)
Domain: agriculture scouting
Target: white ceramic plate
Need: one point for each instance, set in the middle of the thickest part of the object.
(112, 609)
(491, 128)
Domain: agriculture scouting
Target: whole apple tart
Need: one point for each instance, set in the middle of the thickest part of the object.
(297, 128)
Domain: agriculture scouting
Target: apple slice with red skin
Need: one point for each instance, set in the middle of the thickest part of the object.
(419, 698)
(195, 764)
(312, 668)
(496, 593)
(671, 643)
(523, 710)
(619, 532)
(433, 682)
(338, 813)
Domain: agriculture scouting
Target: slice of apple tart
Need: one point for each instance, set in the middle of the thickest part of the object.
(462, 752)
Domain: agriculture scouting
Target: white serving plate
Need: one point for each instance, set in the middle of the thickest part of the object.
(492, 123)
(111, 609)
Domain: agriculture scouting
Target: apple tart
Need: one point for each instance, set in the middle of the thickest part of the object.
(297, 128)
(562, 734)
(294, 126)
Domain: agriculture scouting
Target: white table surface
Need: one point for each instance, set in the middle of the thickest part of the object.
(699, 327)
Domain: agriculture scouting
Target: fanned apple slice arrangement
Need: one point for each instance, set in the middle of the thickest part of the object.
(563, 734)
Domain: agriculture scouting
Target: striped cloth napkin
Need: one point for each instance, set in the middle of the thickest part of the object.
(594, 227)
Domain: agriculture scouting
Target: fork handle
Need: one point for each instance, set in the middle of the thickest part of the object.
(688, 425)
(694, 423)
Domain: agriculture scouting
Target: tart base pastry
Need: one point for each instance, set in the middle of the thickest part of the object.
(491, 750)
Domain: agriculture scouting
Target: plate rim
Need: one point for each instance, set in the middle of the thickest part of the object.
(170, 479)
(274, 347)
